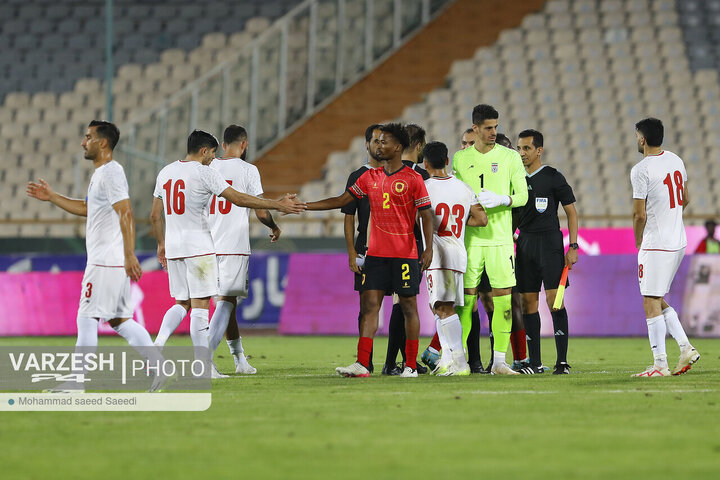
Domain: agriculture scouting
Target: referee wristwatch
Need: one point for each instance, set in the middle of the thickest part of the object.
(574, 246)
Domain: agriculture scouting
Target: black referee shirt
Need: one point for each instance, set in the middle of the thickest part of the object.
(361, 208)
(418, 233)
(547, 189)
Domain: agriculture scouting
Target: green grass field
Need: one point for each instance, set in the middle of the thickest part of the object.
(295, 419)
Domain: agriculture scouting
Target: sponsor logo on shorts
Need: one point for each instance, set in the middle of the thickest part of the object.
(541, 204)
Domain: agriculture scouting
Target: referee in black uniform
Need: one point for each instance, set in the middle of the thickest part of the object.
(540, 256)
(357, 247)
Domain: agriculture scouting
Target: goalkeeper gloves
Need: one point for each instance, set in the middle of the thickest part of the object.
(489, 199)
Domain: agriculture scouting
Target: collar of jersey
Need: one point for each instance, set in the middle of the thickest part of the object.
(536, 171)
(391, 174)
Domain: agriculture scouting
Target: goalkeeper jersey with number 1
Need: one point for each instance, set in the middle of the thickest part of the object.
(500, 171)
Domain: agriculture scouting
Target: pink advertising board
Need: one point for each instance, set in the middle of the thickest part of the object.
(44, 303)
(614, 241)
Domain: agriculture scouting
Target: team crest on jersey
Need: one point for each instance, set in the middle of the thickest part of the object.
(494, 167)
(541, 204)
(399, 187)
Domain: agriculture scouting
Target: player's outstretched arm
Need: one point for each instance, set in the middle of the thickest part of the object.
(478, 216)
(127, 226)
(286, 204)
(427, 226)
(267, 219)
(157, 229)
(331, 203)
(639, 220)
(571, 257)
(43, 191)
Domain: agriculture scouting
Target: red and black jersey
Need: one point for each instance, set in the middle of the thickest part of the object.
(394, 200)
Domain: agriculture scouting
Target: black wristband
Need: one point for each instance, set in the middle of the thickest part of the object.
(574, 246)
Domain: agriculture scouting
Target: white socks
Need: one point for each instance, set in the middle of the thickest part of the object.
(498, 357)
(199, 327)
(139, 339)
(134, 333)
(453, 333)
(675, 327)
(219, 323)
(445, 356)
(656, 333)
(451, 339)
(236, 348)
(172, 319)
(87, 335)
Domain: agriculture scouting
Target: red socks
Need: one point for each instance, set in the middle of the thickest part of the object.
(435, 343)
(365, 346)
(519, 348)
(411, 351)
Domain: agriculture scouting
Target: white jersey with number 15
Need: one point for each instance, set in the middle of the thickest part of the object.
(229, 223)
(451, 200)
(660, 181)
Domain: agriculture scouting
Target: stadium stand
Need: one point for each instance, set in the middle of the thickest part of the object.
(51, 87)
(583, 72)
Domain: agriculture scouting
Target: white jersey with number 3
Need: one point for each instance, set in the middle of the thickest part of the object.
(228, 222)
(451, 200)
(660, 181)
(185, 188)
(103, 237)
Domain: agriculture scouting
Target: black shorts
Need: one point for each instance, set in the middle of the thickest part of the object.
(397, 275)
(540, 259)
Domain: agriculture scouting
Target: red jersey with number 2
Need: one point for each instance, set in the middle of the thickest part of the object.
(394, 201)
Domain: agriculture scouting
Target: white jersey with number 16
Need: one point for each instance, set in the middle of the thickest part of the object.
(451, 200)
(185, 188)
(660, 181)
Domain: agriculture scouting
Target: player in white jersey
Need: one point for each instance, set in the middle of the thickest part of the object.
(454, 205)
(110, 243)
(230, 230)
(659, 183)
(185, 247)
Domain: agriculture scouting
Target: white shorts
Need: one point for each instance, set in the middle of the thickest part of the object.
(105, 293)
(233, 275)
(656, 271)
(193, 277)
(445, 286)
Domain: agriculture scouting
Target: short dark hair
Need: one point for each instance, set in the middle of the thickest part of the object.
(199, 139)
(369, 131)
(435, 154)
(469, 130)
(483, 112)
(416, 134)
(536, 136)
(234, 133)
(652, 131)
(108, 131)
(397, 131)
(502, 139)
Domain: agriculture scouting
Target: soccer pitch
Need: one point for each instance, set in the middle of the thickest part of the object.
(296, 419)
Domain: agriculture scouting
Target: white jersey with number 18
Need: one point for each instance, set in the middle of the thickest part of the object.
(185, 188)
(660, 181)
(229, 223)
(451, 200)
